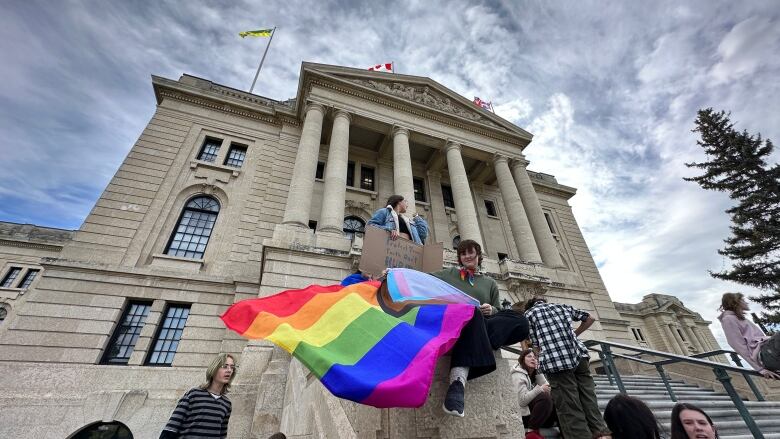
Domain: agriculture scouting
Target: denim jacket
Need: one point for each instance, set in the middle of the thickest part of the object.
(418, 227)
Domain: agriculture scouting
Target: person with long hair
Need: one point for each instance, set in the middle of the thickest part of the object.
(490, 327)
(690, 422)
(533, 395)
(204, 411)
(630, 418)
(747, 339)
(392, 218)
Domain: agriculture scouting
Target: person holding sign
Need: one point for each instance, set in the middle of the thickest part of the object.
(392, 219)
(489, 328)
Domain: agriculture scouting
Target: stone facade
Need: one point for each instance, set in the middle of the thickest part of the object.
(663, 323)
(276, 223)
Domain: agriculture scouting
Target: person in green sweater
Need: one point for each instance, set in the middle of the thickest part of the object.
(489, 328)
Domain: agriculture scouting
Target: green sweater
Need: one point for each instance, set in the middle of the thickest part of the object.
(485, 289)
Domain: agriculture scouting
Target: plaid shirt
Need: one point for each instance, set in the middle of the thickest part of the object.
(551, 331)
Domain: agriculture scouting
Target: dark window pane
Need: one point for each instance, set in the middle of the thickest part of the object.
(455, 242)
(10, 277)
(320, 170)
(353, 226)
(549, 222)
(367, 178)
(28, 278)
(351, 174)
(194, 229)
(502, 256)
(236, 156)
(209, 150)
(167, 340)
(491, 208)
(419, 189)
(446, 194)
(126, 334)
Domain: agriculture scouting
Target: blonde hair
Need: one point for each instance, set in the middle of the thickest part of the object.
(219, 361)
(733, 302)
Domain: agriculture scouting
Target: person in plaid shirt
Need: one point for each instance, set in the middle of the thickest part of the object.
(564, 360)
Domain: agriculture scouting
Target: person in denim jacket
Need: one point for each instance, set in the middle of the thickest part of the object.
(391, 218)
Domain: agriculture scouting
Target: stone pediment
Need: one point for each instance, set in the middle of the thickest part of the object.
(427, 96)
(419, 91)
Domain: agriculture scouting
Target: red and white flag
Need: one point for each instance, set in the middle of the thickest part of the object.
(483, 104)
(386, 67)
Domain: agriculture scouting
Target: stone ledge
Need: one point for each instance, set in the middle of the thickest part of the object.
(165, 261)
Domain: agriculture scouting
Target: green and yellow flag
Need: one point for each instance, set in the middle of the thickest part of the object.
(256, 33)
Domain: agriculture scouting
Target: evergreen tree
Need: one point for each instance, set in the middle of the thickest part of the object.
(737, 165)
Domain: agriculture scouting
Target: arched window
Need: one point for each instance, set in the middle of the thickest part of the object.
(353, 226)
(455, 242)
(194, 228)
(104, 430)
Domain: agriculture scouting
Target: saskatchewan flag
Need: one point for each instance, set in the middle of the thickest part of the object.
(256, 33)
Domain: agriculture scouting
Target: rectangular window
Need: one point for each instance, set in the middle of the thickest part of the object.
(682, 337)
(502, 256)
(367, 178)
(313, 225)
(10, 277)
(126, 334)
(320, 170)
(549, 219)
(351, 174)
(491, 208)
(168, 335)
(236, 155)
(641, 336)
(29, 278)
(209, 150)
(419, 189)
(446, 194)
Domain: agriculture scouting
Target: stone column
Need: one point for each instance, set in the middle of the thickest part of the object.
(298, 207)
(403, 183)
(518, 221)
(678, 338)
(533, 209)
(705, 345)
(694, 341)
(437, 220)
(464, 204)
(671, 339)
(332, 215)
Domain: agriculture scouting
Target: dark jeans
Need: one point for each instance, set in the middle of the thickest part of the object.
(542, 412)
(574, 395)
(770, 353)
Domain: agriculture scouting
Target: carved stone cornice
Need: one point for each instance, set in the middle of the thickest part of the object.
(227, 108)
(33, 245)
(430, 113)
(523, 279)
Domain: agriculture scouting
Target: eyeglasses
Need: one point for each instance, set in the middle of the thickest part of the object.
(229, 366)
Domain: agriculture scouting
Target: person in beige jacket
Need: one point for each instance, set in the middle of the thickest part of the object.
(533, 395)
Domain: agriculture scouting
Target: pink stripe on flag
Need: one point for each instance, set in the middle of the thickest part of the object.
(417, 377)
(402, 285)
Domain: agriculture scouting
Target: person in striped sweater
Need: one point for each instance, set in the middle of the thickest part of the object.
(204, 411)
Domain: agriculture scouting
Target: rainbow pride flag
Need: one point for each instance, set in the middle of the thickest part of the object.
(359, 343)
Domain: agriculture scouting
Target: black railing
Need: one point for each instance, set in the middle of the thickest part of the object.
(721, 371)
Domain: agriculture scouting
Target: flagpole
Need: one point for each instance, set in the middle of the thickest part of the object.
(262, 59)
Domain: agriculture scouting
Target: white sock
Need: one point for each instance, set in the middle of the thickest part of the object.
(459, 373)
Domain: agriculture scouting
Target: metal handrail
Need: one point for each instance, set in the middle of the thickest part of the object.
(721, 373)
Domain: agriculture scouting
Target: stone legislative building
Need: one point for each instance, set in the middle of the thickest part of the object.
(227, 196)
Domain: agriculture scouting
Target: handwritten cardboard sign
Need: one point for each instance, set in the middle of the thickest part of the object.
(380, 252)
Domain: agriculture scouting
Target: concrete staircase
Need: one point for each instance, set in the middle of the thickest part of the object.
(718, 405)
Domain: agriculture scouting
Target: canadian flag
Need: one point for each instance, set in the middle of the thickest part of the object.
(386, 67)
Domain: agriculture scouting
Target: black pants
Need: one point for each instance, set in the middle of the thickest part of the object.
(482, 335)
(542, 412)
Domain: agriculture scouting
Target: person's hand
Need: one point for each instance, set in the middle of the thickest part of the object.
(546, 388)
(769, 374)
(394, 234)
(384, 273)
(486, 309)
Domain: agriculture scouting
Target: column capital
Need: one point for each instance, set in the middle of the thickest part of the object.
(397, 129)
(338, 112)
(499, 158)
(451, 144)
(314, 106)
(519, 162)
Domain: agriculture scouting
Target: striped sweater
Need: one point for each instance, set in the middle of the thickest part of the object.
(199, 415)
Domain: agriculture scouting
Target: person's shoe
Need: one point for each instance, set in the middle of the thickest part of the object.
(453, 402)
(533, 434)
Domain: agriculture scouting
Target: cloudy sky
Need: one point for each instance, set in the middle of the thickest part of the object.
(609, 89)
